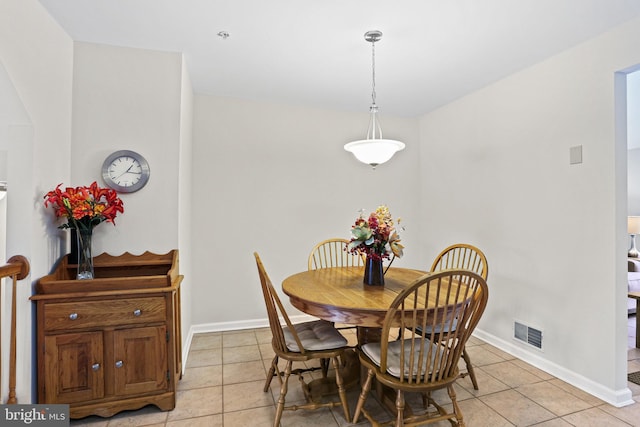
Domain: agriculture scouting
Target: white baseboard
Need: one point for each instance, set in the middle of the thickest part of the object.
(617, 398)
(231, 326)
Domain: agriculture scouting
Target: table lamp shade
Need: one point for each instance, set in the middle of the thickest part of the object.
(633, 225)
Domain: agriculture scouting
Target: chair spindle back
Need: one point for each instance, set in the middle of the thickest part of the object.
(462, 256)
(333, 253)
(461, 298)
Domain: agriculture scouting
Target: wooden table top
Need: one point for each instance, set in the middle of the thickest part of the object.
(635, 295)
(339, 295)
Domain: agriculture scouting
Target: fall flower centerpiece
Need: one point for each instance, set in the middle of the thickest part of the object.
(84, 208)
(376, 238)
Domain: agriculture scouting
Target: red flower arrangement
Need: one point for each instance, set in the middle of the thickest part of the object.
(84, 207)
(375, 236)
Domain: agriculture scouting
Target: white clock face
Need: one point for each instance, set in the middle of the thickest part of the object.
(125, 171)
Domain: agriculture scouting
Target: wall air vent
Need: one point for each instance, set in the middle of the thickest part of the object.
(527, 334)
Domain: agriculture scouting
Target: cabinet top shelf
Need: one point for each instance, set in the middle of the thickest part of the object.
(123, 272)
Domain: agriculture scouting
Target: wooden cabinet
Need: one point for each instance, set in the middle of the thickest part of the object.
(112, 343)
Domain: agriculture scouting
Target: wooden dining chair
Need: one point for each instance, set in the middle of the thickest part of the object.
(451, 301)
(301, 342)
(468, 257)
(333, 253)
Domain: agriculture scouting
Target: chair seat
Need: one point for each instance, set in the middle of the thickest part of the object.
(316, 335)
(373, 352)
(438, 329)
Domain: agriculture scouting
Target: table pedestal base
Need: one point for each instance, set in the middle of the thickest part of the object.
(366, 335)
(350, 372)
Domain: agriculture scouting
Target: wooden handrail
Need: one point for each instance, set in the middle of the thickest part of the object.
(18, 268)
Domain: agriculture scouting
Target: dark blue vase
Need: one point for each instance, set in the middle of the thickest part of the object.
(373, 272)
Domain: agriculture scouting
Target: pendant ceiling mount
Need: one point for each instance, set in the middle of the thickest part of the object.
(373, 36)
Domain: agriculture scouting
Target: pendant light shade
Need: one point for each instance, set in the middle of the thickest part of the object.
(374, 150)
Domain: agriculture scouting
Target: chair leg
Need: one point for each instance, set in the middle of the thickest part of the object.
(470, 370)
(341, 391)
(399, 408)
(363, 395)
(272, 372)
(283, 393)
(456, 408)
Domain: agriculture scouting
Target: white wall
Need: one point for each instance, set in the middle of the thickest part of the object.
(552, 231)
(633, 179)
(633, 105)
(275, 179)
(130, 99)
(14, 121)
(122, 98)
(633, 134)
(139, 100)
(37, 56)
(185, 201)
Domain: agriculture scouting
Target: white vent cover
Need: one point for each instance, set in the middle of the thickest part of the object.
(527, 334)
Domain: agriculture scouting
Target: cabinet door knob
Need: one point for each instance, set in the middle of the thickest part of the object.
(95, 366)
(73, 316)
(119, 364)
(137, 312)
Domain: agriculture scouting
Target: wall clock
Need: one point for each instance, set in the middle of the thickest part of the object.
(125, 171)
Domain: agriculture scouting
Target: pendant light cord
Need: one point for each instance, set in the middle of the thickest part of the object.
(373, 72)
(374, 131)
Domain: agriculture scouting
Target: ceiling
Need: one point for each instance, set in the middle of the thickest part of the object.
(313, 52)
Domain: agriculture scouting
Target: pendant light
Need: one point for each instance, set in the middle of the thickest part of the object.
(374, 150)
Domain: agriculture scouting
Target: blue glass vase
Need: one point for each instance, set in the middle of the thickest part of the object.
(373, 272)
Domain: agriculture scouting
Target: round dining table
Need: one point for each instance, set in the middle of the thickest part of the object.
(339, 295)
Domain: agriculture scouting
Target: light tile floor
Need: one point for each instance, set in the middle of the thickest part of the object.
(225, 374)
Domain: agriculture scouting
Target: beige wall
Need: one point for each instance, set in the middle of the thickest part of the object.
(38, 57)
(185, 201)
(130, 99)
(139, 100)
(633, 180)
(633, 115)
(553, 232)
(275, 179)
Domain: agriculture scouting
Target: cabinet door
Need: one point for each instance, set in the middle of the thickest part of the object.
(140, 360)
(73, 367)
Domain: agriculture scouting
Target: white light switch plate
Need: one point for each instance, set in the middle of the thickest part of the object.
(575, 155)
